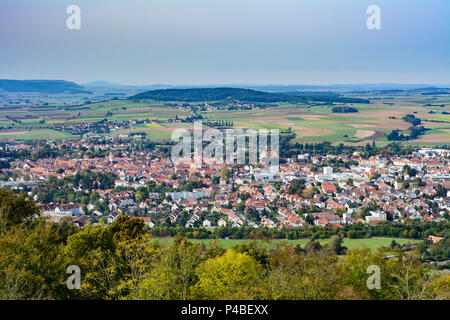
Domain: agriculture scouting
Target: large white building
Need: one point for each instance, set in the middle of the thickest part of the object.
(376, 216)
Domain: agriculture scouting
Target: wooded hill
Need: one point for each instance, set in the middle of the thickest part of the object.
(47, 86)
(234, 94)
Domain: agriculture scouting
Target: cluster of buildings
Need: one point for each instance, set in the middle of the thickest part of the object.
(99, 127)
(335, 189)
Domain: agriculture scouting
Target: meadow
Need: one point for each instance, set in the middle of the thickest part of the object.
(371, 243)
(46, 134)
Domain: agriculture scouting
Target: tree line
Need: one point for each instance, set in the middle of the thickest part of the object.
(123, 261)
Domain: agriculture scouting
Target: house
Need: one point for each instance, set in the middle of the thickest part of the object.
(174, 216)
(73, 209)
(253, 224)
(97, 213)
(324, 218)
(81, 221)
(203, 206)
(147, 221)
(186, 195)
(321, 222)
(328, 188)
(267, 222)
(434, 239)
(222, 222)
(236, 219)
(228, 211)
(206, 223)
(376, 216)
(112, 217)
(126, 202)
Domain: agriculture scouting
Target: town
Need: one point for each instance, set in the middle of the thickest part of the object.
(94, 183)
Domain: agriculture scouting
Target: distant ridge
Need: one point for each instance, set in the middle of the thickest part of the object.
(280, 88)
(62, 86)
(47, 86)
(111, 85)
(358, 87)
(103, 84)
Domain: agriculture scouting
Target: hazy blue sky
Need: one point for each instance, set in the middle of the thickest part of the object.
(226, 41)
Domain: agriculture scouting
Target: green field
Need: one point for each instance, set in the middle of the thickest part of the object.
(311, 123)
(372, 243)
(47, 134)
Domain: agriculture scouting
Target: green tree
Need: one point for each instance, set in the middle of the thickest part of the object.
(335, 245)
(15, 209)
(355, 274)
(174, 274)
(92, 249)
(225, 173)
(31, 262)
(295, 275)
(127, 228)
(230, 276)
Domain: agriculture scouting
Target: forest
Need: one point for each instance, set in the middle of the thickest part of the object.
(243, 95)
(122, 261)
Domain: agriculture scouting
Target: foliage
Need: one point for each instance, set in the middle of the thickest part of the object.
(175, 273)
(32, 262)
(122, 261)
(15, 209)
(344, 109)
(232, 275)
(215, 94)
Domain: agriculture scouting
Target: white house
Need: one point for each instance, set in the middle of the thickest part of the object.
(376, 215)
(206, 223)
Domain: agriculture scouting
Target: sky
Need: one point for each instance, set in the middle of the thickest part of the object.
(200, 42)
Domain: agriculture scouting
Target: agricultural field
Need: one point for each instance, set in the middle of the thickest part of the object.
(46, 134)
(311, 123)
(316, 124)
(371, 243)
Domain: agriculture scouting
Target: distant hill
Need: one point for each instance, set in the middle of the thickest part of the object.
(333, 87)
(47, 86)
(216, 94)
(111, 85)
(423, 91)
(326, 96)
(103, 84)
(274, 88)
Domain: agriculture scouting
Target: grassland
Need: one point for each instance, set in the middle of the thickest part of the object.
(371, 243)
(47, 134)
